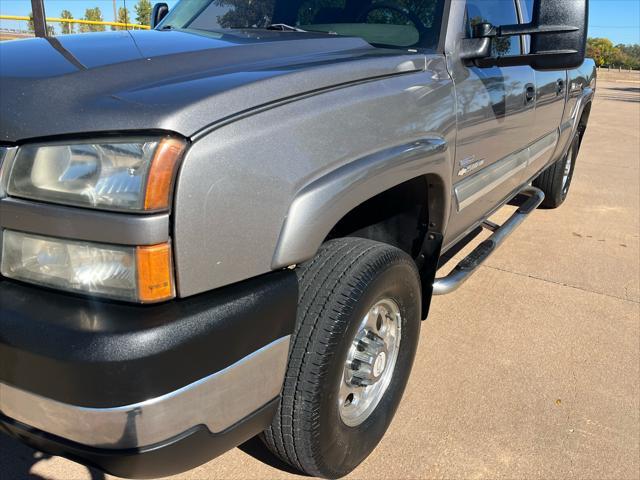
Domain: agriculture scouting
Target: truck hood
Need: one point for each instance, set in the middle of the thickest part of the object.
(181, 81)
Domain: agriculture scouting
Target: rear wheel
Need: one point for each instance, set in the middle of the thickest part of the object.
(352, 352)
(555, 181)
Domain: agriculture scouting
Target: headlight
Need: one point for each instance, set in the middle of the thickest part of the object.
(140, 274)
(124, 175)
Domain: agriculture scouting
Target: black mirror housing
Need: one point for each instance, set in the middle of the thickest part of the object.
(159, 11)
(558, 33)
(571, 47)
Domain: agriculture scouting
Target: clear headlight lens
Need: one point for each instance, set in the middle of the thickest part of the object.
(141, 274)
(129, 175)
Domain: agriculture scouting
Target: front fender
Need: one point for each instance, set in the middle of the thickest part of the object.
(242, 182)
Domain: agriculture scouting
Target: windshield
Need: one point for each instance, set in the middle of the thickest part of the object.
(382, 23)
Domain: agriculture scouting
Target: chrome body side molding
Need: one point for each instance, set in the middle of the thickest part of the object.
(470, 190)
(217, 401)
(475, 187)
(540, 152)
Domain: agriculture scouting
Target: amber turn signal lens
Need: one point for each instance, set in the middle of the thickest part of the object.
(162, 174)
(155, 278)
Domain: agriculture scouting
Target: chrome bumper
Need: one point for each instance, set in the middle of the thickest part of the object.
(218, 401)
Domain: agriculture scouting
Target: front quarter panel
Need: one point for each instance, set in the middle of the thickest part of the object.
(238, 183)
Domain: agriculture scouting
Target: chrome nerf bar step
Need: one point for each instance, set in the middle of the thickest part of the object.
(470, 264)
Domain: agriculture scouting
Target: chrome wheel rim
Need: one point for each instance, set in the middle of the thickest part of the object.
(567, 170)
(370, 362)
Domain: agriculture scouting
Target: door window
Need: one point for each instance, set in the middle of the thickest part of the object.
(496, 12)
(527, 10)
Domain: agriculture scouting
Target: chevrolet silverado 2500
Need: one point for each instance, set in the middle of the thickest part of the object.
(232, 224)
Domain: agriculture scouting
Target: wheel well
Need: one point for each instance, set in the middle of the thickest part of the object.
(410, 216)
(398, 216)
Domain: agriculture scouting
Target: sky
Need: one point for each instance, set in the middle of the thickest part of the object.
(618, 20)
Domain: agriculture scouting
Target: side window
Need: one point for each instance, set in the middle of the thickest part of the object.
(527, 10)
(496, 12)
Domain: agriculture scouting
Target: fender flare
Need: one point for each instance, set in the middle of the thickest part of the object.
(585, 100)
(320, 205)
(568, 129)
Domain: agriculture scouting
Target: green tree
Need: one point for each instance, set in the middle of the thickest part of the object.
(123, 17)
(601, 50)
(631, 55)
(605, 54)
(93, 14)
(51, 31)
(245, 14)
(143, 12)
(631, 50)
(67, 27)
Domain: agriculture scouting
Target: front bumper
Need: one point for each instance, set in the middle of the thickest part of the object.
(143, 391)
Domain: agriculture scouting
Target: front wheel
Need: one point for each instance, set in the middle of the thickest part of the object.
(351, 355)
(555, 181)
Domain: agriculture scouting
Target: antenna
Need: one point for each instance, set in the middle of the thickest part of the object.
(39, 18)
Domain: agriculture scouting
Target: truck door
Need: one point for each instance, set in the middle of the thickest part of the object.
(551, 91)
(495, 110)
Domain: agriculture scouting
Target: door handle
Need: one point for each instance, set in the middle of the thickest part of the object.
(560, 87)
(530, 93)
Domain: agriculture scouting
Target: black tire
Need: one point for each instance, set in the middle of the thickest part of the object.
(337, 288)
(552, 181)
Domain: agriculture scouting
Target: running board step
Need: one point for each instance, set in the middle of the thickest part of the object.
(470, 264)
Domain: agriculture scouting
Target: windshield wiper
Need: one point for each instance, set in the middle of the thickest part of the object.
(283, 27)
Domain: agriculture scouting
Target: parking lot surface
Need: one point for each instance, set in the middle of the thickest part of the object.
(532, 369)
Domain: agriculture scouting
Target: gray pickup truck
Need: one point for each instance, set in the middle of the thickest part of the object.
(233, 224)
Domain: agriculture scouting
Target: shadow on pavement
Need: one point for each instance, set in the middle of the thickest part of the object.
(16, 461)
(619, 94)
(626, 89)
(617, 98)
(257, 450)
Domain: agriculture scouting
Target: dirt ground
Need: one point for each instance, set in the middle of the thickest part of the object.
(532, 369)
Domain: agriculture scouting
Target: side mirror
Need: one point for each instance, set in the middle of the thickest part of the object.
(565, 50)
(558, 37)
(159, 11)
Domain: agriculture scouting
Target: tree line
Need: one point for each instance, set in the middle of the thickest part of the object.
(606, 54)
(142, 17)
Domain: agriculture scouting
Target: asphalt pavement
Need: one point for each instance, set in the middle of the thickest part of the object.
(532, 369)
